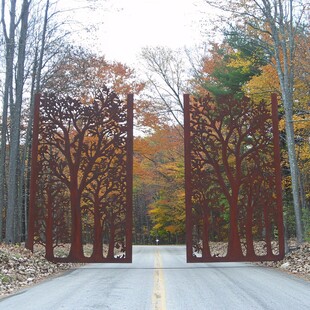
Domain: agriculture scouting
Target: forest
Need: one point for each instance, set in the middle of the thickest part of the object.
(263, 48)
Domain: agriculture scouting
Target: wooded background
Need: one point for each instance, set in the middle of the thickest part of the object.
(264, 48)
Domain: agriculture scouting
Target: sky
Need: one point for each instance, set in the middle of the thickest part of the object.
(123, 27)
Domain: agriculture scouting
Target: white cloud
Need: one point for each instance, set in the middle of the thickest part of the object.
(125, 26)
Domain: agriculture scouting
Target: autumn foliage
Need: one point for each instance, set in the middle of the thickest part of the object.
(159, 178)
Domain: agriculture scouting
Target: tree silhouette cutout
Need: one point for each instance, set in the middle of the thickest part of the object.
(231, 176)
(83, 172)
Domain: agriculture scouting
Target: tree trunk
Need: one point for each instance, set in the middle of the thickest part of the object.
(8, 94)
(267, 226)
(294, 174)
(42, 49)
(13, 209)
(286, 76)
(234, 250)
(206, 252)
(35, 88)
(2, 159)
(110, 254)
(26, 152)
(49, 254)
(97, 242)
(250, 252)
(76, 251)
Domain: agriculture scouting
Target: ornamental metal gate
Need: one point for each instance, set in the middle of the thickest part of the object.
(233, 180)
(81, 183)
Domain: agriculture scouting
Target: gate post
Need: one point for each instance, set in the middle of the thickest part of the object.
(34, 173)
(188, 191)
(129, 177)
(277, 163)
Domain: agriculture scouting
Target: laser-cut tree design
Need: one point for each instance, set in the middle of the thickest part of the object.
(83, 176)
(232, 195)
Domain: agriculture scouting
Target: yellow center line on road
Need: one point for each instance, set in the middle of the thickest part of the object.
(159, 292)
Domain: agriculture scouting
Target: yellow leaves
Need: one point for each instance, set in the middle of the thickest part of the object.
(301, 123)
(242, 63)
(302, 68)
(287, 182)
(282, 125)
(304, 151)
(158, 226)
(260, 86)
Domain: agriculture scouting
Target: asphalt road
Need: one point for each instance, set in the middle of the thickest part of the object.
(160, 279)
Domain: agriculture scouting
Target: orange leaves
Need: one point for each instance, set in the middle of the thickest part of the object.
(81, 73)
(158, 166)
(146, 115)
(217, 53)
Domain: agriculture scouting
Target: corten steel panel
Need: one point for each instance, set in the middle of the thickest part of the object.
(81, 183)
(233, 180)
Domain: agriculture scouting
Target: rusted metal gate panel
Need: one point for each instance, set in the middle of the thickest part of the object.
(233, 180)
(81, 182)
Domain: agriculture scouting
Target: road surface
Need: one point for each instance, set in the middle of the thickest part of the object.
(160, 279)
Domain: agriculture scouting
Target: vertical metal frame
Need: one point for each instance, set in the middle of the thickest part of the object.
(232, 180)
(129, 181)
(81, 178)
(34, 172)
(278, 173)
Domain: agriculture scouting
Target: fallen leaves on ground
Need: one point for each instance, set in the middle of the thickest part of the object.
(20, 267)
(296, 261)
